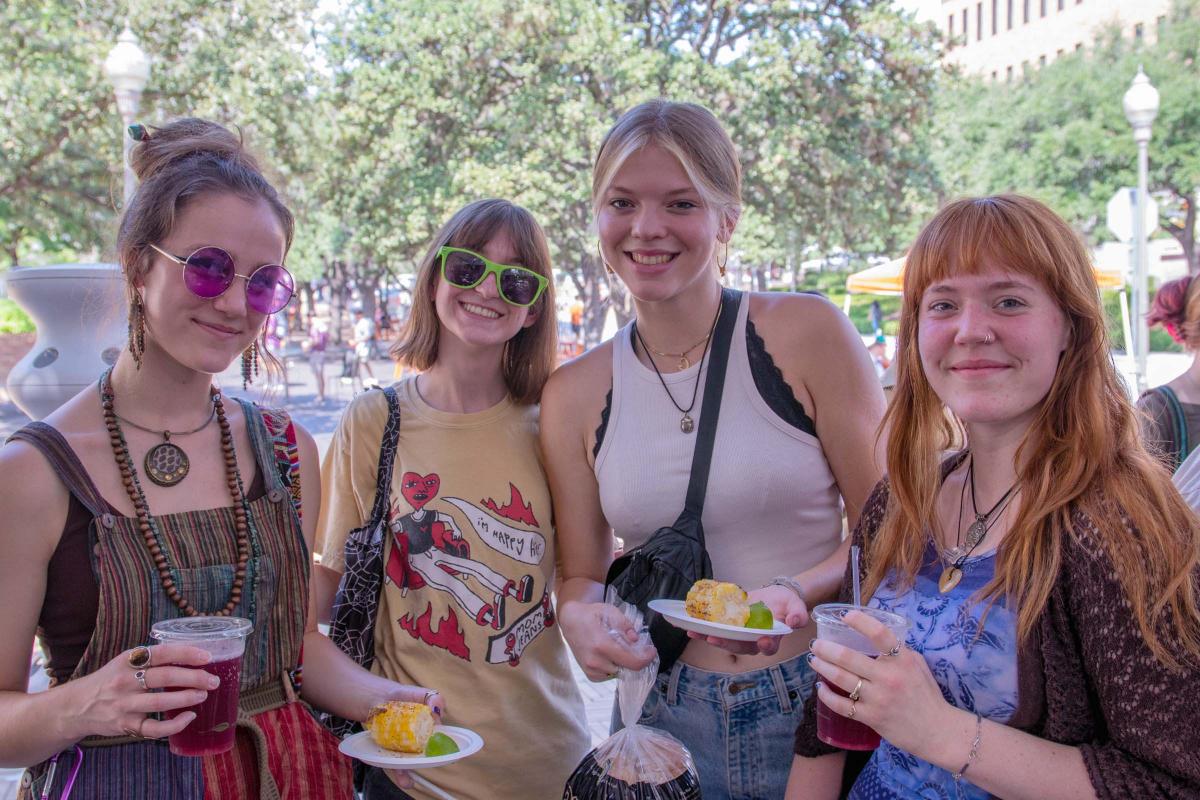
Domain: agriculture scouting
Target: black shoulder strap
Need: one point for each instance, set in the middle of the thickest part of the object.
(714, 385)
(387, 457)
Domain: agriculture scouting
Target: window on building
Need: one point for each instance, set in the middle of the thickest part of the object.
(1042, 7)
(950, 29)
(966, 26)
(1008, 74)
(1041, 61)
(979, 20)
(1010, 14)
(1139, 31)
(1025, 9)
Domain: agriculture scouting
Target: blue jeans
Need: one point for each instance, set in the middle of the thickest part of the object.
(739, 728)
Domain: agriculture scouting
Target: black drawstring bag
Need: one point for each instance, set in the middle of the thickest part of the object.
(674, 558)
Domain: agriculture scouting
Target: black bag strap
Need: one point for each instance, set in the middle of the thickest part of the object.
(387, 457)
(714, 386)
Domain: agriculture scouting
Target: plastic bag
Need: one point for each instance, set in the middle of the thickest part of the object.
(636, 762)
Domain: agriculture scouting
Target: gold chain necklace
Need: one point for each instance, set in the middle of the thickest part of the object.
(684, 363)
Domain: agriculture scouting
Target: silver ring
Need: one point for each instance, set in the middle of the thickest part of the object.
(140, 676)
(895, 651)
(854, 694)
(429, 695)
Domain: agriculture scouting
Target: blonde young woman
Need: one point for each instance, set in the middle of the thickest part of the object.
(793, 444)
(470, 557)
(100, 538)
(1048, 570)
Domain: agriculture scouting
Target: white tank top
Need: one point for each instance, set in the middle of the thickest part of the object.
(773, 506)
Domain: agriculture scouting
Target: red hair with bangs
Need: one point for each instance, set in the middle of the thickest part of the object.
(1082, 451)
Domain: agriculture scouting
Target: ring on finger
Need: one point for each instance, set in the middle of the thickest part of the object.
(895, 651)
(139, 657)
(429, 696)
(140, 677)
(854, 694)
(850, 714)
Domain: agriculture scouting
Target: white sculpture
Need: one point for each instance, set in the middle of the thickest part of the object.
(81, 318)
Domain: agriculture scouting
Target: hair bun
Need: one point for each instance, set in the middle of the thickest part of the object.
(185, 138)
(1169, 308)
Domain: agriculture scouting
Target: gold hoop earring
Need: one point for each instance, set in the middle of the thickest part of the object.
(721, 264)
(249, 364)
(607, 268)
(137, 330)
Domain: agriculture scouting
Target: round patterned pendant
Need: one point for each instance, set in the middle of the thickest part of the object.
(166, 464)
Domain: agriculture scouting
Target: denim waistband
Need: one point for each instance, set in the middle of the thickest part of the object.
(780, 682)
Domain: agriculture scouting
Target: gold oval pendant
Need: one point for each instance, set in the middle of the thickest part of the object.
(166, 464)
(950, 578)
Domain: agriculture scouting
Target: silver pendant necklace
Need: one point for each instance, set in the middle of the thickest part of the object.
(953, 558)
(686, 423)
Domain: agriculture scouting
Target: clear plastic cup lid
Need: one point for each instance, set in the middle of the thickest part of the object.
(831, 614)
(201, 629)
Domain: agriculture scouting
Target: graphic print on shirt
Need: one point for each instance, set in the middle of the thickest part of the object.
(429, 550)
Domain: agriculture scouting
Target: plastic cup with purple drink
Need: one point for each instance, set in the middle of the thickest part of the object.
(833, 728)
(215, 725)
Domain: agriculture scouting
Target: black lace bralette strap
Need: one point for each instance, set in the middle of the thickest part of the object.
(64, 462)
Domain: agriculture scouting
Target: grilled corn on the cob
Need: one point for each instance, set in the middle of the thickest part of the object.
(711, 600)
(405, 727)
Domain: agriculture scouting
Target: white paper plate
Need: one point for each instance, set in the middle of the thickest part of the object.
(674, 612)
(363, 747)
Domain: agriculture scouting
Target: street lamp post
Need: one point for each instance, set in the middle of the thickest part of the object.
(128, 70)
(1141, 107)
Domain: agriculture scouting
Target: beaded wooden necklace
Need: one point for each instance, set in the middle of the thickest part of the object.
(147, 523)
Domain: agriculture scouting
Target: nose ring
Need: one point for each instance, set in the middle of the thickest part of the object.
(989, 338)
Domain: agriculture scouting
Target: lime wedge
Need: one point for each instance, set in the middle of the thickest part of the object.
(760, 617)
(440, 745)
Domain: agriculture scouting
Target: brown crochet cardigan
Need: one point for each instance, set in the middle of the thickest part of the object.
(1087, 678)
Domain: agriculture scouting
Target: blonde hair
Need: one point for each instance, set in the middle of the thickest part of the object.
(1082, 451)
(529, 356)
(685, 130)
(175, 164)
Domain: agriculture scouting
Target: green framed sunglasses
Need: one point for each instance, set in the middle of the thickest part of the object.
(466, 269)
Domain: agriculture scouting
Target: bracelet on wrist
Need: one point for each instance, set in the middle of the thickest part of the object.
(791, 583)
(973, 753)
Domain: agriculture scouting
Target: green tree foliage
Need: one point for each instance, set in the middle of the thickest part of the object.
(60, 172)
(1060, 133)
(827, 103)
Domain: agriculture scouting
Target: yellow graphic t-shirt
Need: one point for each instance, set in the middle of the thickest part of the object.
(468, 574)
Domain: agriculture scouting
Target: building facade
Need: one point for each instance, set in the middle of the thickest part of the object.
(1001, 39)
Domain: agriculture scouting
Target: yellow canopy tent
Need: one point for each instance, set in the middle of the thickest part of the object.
(889, 279)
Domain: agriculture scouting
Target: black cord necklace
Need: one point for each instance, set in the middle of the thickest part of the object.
(686, 424)
(956, 556)
(166, 463)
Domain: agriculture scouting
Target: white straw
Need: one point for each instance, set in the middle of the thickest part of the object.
(854, 575)
(429, 787)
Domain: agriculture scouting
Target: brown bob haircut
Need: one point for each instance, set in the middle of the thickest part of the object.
(529, 356)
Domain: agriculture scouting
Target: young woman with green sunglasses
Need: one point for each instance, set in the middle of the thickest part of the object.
(470, 557)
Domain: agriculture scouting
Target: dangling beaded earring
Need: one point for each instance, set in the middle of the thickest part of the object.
(721, 264)
(137, 330)
(249, 364)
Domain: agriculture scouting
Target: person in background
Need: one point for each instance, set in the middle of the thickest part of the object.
(878, 351)
(1048, 569)
(470, 551)
(1171, 412)
(363, 347)
(317, 346)
(794, 442)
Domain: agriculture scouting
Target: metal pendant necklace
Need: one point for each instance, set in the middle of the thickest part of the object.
(684, 363)
(166, 463)
(953, 558)
(686, 423)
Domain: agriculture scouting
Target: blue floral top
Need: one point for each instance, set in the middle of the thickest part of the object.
(977, 670)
